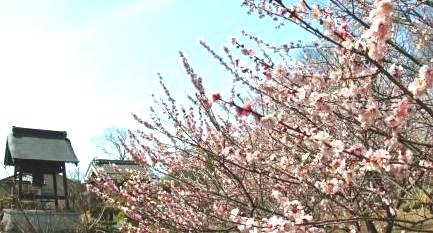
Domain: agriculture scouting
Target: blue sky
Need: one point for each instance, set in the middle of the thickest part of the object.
(82, 66)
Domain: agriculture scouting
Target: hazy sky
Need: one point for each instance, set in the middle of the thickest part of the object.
(82, 66)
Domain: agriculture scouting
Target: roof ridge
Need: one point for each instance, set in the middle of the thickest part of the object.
(42, 133)
(118, 161)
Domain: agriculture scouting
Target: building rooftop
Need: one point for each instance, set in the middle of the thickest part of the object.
(106, 164)
(38, 144)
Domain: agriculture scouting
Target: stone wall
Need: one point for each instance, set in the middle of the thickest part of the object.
(41, 221)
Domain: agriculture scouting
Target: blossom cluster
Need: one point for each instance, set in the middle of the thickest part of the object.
(338, 139)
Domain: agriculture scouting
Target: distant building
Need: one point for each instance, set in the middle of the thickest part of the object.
(93, 171)
(106, 164)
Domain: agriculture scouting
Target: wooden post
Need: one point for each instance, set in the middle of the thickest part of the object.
(56, 198)
(65, 187)
(20, 184)
(14, 188)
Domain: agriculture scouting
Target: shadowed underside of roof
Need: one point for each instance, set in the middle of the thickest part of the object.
(37, 144)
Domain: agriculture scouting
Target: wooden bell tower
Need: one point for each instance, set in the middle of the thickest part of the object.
(38, 154)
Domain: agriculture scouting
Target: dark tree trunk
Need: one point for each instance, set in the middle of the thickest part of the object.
(371, 228)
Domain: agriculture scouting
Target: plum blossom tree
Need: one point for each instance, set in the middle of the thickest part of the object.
(336, 140)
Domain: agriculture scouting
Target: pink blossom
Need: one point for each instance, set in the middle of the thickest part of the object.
(376, 160)
(342, 30)
(252, 53)
(216, 97)
(315, 12)
(391, 142)
(426, 164)
(245, 110)
(276, 222)
(229, 151)
(405, 157)
(401, 109)
(380, 29)
(320, 103)
(377, 34)
(392, 121)
(234, 213)
(426, 73)
(358, 149)
(395, 70)
(398, 170)
(269, 121)
(240, 155)
(336, 164)
(370, 114)
(279, 72)
(110, 184)
(337, 145)
(385, 7)
(331, 186)
(418, 87)
(245, 51)
(322, 137)
(226, 49)
(219, 209)
(252, 157)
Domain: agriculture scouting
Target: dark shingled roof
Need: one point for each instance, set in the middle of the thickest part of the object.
(37, 144)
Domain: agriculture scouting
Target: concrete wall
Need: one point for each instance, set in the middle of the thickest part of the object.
(43, 221)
